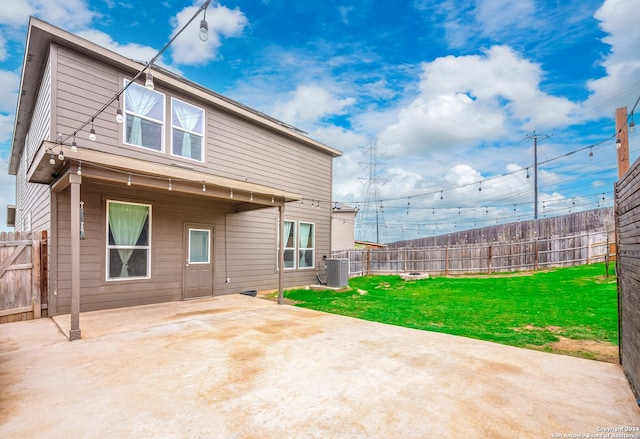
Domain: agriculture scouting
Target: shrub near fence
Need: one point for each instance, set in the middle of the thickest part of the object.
(520, 255)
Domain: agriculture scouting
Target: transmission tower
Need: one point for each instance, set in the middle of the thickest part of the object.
(370, 219)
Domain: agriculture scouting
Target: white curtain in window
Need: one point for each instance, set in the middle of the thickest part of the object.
(139, 101)
(305, 232)
(287, 231)
(126, 222)
(188, 118)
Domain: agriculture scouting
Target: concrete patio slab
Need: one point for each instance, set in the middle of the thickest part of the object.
(243, 367)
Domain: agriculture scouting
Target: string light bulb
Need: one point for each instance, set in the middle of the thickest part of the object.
(204, 187)
(74, 145)
(591, 153)
(632, 125)
(119, 117)
(92, 132)
(231, 193)
(52, 160)
(251, 197)
(204, 29)
(79, 172)
(170, 187)
(618, 143)
(148, 82)
(129, 180)
(61, 155)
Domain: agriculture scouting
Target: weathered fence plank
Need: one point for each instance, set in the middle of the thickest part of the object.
(627, 206)
(482, 257)
(22, 275)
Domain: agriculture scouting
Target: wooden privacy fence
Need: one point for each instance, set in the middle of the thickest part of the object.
(534, 254)
(627, 193)
(23, 280)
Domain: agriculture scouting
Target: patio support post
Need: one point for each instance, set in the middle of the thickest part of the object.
(281, 256)
(75, 181)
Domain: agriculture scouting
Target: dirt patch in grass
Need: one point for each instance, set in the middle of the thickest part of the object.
(591, 349)
(547, 328)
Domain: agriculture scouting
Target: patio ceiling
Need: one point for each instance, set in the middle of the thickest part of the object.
(115, 168)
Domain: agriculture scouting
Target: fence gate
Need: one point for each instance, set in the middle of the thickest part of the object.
(23, 291)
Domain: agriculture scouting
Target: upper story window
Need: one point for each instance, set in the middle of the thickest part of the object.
(144, 117)
(187, 130)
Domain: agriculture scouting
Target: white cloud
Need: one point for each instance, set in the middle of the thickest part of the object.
(7, 192)
(70, 14)
(344, 12)
(3, 49)
(130, 50)
(499, 15)
(339, 137)
(223, 22)
(471, 99)
(619, 19)
(10, 82)
(310, 103)
(6, 130)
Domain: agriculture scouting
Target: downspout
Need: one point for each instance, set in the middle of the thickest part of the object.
(281, 256)
(226, 267)
(75, 181)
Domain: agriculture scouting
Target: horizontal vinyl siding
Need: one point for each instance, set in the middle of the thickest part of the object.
(235, 148)
(33, 199)
(342, 231)
(250, 260)
(239, 150)
(82, 88)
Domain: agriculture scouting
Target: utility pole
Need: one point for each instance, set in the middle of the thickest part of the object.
(622, 140)
(535, 137)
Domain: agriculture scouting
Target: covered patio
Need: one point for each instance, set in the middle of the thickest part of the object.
(67, 167)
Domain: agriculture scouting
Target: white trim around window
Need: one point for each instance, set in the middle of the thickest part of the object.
(128, 241)
(306, 245)
(187, 130)
(144, 114)
(299, 245)
(290, 245)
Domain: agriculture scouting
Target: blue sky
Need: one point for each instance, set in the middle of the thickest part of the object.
(447, 90)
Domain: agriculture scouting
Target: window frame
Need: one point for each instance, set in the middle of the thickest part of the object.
(109, 247)
(208, 248)
(184, 130)
(128, 84)
(294, 227)
(312, 249)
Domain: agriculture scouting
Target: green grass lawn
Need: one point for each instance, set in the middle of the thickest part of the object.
(531, 310)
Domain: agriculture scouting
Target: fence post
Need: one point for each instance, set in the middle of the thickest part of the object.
(446, 261)
(490, 262)
(35, 275)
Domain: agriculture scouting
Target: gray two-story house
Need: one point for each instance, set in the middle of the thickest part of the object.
(171, 192)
